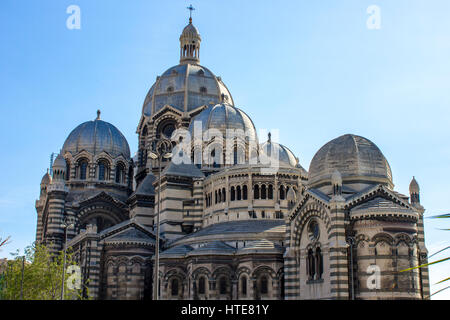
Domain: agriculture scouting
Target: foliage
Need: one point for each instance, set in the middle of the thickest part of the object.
(42, 276)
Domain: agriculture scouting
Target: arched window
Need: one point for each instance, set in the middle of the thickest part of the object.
(120, 173)
(215, 197)
(215, 158)
(67, 170)
(270, 192)
(223, 285)
(103, 170)
(244, 192)
(130, 176)
(142, 160)
(238, 192)
(244, 285)
(256, 191)
(310, 263)
(201, 285)
(174, 290)
(233, 194)
(235, 155)
(319, 263)
(263, 192)
(224, 195)
(219, 200)
(264, 285)
(282, 194)
(83, 169)
(279, 215)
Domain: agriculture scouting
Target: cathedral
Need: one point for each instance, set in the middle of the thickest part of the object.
(198, 213)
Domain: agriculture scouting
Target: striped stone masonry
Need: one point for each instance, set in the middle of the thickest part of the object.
(339, 263)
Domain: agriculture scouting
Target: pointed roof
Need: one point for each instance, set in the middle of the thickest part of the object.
(183, 170)
(414, 186)
(261, 246)
(382, 207)
(60, 162)
(177, 251)
(128, 231)
(146, 186)
(213, 248)
(231, 228)
(47, 178)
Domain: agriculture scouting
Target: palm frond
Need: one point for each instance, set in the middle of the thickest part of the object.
(439, 251)
(443, 280)
(439, 291)
(440, 216)
(4, 242)
(426, 264)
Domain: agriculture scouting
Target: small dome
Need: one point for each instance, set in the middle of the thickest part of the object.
(59, 163)
(95, 137)
(286, 156)
(190, 31)
(353, 156)
(222, 117)
(200, 85)
(46, 179)
(414, 187)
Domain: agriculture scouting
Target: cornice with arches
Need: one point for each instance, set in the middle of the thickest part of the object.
(305, 213)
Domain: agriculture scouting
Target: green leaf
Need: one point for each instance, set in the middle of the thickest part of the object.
(439, 252)
(440, 216)
(440, 291)
(443, 280)
(426, 264)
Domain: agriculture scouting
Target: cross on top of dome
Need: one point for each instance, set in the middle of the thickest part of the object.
(190, 8)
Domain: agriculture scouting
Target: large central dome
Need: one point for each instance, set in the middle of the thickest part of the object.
(188, 85)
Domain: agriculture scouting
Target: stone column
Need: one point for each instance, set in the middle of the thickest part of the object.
(423, 255)
(54, 236)
(234, 289)
(338, 255)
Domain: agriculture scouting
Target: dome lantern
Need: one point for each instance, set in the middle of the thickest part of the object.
(59, 168)
(190, 43)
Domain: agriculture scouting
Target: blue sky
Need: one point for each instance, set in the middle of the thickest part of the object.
(309, 68)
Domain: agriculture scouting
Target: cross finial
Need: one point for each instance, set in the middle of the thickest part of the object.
(98, 114)
(190, 8)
